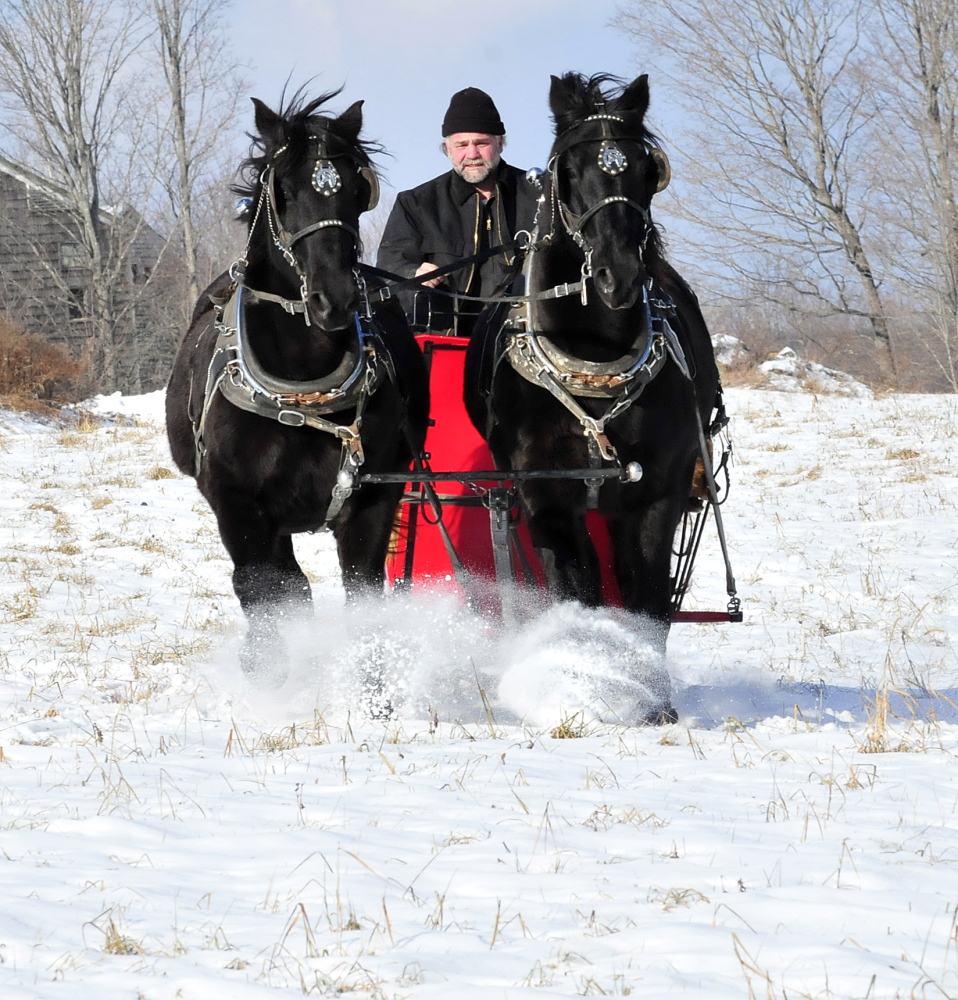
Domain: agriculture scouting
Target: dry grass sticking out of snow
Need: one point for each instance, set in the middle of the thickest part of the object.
(842, 522)
(169, 831)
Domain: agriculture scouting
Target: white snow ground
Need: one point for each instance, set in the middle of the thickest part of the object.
(168, 831)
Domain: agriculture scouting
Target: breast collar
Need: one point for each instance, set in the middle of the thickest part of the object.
(235, 371)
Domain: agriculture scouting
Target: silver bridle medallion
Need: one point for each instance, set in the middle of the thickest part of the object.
(611, 159)
(326, 178)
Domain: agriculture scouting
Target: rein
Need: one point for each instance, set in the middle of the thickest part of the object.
(399, 282)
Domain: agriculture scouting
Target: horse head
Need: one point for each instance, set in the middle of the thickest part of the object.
(604, 169)
(311, 178)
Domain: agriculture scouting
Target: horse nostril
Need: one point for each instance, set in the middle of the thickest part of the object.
(604, 280)
(321, 306)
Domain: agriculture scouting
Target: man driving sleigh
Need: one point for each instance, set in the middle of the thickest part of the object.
(477, 205)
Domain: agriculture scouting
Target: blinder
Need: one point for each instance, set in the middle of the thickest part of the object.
(372, 179)
(663, 166)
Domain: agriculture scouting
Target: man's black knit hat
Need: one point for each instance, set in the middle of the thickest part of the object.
(472, 110)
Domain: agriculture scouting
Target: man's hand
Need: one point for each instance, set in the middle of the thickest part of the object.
(425, 269)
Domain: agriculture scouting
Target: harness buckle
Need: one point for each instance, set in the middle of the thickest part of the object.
(291, 418)
(586, 274)
(595, 430)
(304, 295)
(605, 447)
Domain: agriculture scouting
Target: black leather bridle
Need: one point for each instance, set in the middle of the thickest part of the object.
(573, 223)
(326, 180)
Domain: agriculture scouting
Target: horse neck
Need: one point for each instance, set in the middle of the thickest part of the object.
(592, 332)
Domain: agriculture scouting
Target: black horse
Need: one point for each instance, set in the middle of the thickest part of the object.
(287, 386)
(615, 372)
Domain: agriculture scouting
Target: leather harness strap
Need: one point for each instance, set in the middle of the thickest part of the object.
(235, 372)
(622, 382)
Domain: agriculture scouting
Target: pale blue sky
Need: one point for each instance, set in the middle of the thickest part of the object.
(405, 58)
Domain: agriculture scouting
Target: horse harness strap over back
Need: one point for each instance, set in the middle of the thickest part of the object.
(235, 371)
(622, 382)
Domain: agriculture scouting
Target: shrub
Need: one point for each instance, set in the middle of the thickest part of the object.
(33, 369)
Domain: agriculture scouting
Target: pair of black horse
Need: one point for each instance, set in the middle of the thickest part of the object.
(291, 383)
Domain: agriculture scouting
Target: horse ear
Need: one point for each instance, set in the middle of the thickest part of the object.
(561, 94)
(268, 123)
(635, 97)
(351, 121)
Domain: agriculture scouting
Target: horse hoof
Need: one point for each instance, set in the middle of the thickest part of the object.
(665, 716)
(261, 670)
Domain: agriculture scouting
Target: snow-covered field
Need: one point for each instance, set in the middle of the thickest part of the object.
(168, 831)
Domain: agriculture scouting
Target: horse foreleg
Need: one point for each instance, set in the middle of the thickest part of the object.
(362, 538)
(567, 555)
(642, 542)
(271, 588)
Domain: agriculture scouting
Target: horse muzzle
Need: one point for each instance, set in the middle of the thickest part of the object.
(617, 291)
(331, 312)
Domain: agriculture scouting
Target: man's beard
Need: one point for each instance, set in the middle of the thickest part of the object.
(474, 177)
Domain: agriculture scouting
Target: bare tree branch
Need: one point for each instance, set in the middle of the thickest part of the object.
(778, 110)
(202, 90)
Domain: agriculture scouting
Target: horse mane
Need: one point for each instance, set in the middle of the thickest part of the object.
(599, 93)
(300, 120)
(605, 93)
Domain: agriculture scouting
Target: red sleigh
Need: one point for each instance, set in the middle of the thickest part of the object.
(460, 526)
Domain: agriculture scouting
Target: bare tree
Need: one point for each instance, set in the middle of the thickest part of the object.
(916, 42)
(372, 224)
(777, 105)
(66, 86)
(202, 91)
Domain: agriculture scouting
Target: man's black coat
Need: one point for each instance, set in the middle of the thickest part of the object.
(443, 221)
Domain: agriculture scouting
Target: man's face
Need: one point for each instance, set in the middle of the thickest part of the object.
(474, 155)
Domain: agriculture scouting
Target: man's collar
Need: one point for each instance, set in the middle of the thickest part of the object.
(462, 190)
